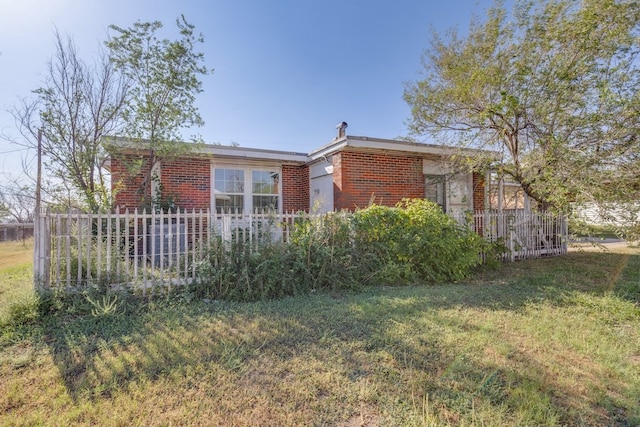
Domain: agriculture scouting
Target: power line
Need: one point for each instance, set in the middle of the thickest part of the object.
(15, 151)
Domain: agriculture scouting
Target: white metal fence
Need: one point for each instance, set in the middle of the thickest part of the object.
(142, 249)
(525, 234)
(138, 249)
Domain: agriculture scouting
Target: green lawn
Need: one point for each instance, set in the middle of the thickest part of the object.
(542, 342)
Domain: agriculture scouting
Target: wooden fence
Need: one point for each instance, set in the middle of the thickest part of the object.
(15, 231)
(140, 250)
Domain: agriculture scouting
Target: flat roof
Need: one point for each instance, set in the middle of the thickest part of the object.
(390, 145)
(226, 151)
(362, 142)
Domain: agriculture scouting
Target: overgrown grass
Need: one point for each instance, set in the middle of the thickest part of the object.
(544, 342)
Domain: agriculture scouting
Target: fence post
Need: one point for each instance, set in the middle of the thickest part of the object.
(510, 232)
(41, 251)
(37, 272)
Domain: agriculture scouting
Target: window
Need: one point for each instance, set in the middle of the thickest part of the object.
(512, 196)
(264, 190)
(435, 189)
(229, 190)
(246, 190)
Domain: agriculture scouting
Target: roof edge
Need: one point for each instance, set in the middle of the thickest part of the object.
(392, 145)
(127, 144)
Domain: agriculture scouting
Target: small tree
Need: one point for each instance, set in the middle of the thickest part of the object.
(165, 75)
(17, 202)
(77, 105)
(554, 88)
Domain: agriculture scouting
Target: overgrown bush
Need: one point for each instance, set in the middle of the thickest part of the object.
(416, 242)
(411, 242)
(22, 312)
(235, 270)
(83, 256)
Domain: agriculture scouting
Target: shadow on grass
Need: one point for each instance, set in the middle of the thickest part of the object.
(399, 339)
(99, 355)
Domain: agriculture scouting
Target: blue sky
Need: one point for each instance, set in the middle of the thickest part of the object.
(286, 71)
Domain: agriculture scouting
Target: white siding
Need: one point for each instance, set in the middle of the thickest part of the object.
(321, 187)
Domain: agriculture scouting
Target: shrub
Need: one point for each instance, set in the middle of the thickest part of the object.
(22, 312)
(329, 260)
(416, 241)
(242, 271)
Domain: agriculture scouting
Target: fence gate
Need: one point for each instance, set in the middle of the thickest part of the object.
(527, 234)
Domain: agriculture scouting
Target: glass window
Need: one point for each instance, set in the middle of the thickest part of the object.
(265, 203)
(264, 182)
(513, 196)
(435, 189)
(261, 192)
(229, 181)
(229, 190)
(265, 190)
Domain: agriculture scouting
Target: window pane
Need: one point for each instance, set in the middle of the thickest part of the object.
(513, 197)
(264, 182)
(229, 203)
(265, 203)
(434, 189)
(229, 180)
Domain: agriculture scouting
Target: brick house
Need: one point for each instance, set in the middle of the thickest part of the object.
(346, 173)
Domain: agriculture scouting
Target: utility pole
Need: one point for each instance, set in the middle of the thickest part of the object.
(38, 261)
(39, 176)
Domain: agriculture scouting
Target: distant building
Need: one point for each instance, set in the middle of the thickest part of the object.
(15, 231)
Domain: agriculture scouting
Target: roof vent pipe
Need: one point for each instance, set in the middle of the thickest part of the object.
(342, 129)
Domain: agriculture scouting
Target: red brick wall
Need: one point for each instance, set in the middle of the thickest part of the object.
(478, 192)
(295, 188)
(125, 186)
(388, 177)
(188, 182)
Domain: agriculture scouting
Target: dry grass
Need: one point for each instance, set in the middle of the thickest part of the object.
(543, 342)
(16, 261)
(14, 254)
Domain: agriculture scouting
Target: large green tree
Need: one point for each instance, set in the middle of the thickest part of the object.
(552, 87)
(165, 77)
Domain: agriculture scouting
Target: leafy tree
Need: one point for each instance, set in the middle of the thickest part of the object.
(553, 88)
(165, 75)
(77, 105)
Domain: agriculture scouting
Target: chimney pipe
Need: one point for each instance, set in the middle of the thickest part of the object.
(342, 129)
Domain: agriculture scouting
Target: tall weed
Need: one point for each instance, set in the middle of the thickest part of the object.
(411, 242)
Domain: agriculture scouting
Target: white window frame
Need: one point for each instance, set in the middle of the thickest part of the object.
(248, 184)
